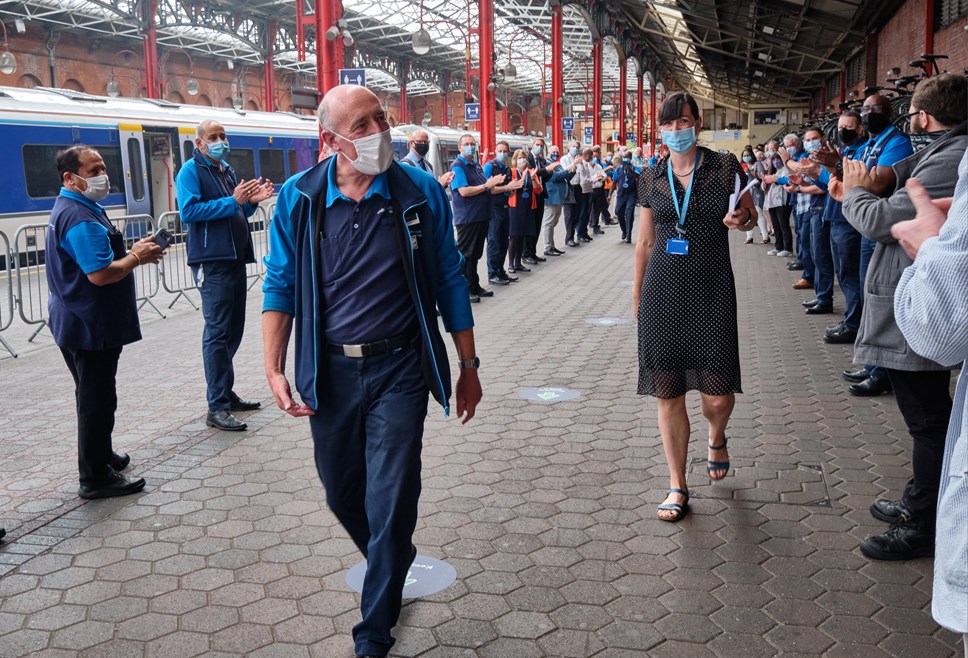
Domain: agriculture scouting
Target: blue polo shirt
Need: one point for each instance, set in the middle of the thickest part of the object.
(495, 168)
(469, 210)
(363, 285)
(834, 210)
(887, 149)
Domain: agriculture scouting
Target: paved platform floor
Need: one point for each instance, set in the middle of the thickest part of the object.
(546, 510)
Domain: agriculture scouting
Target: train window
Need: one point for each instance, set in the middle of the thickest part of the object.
(272, 165)
(40, 170)
(293, 165)
(243, 161)
(135, 158)
(188, 151)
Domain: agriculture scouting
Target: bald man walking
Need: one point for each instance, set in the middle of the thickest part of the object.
(361, 256)
(215, 206)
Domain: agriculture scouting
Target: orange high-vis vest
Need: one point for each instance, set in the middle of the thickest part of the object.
(535, 190)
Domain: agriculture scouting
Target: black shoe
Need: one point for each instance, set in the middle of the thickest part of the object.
(856, 376)
(794, 265)
(598, 231)
(510, 278)
(819, 309)
(572, 244)
(115, 485)
(840, 337)
(497, 281)
(582, 239)
(119, 462)
(224, 420)
(522, 268)
(474, 299)
(871, 387)
(628, 240)
(810, 302)
(889, 511)
(552, 253)
(904, 540)
(482, 292)
(558, 251)
(238, 404)
(527, 260)
(834, 328)
(538, 258)
(3, 533)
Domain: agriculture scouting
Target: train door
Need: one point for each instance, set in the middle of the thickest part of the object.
(135, 173)
(163, 159)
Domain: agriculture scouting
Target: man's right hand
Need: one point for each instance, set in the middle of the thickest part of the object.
(826, 155)
(279, 386)
(494, 181)
(446, 179)
(244, 190)
(516, 184)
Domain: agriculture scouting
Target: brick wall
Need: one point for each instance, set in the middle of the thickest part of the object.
(953, 42)
(901, 40)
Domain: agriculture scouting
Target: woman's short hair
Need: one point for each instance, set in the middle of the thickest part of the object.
(671, 108)
(518, 154)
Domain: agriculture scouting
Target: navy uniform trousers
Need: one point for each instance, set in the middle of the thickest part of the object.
(368, 433)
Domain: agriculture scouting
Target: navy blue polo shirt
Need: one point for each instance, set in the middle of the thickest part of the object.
(495, 168)
(363, 286)
(80, 240)
(473, 209)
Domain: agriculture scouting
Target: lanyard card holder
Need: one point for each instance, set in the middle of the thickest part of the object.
(677, 246)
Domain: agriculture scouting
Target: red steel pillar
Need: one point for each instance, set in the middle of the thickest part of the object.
(505, 116)
(327, 75)
(653, 101)
(622, 95)
(843, 86)
(486, 56)
(557, 78)
(152, 81)
(443, 99)
(929, 28)
(269, 74)
(404, 75)
(640, 114)
(597, 90)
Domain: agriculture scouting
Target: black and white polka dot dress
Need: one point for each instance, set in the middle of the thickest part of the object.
(687, 310)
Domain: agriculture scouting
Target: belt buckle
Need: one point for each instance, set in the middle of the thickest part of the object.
(355, 351)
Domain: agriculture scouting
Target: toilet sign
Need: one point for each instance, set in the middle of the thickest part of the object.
(549, 394)
(427, 575)
(352, 77)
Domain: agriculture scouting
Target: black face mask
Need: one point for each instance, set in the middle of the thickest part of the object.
(848, 136)
(875, 123)
(421, 149)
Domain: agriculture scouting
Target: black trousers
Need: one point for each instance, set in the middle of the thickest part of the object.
(97, 400)
(599, 209)
(782, 233)
(925, 403)
(470, 243)
(531, 242)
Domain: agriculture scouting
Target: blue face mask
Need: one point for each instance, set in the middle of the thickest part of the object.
(537, 150)
(501, 156)
(679, 141)
(573, 151)
(218, 150)
(553, 157)
(811, 145)
(748, 160)
(469, 151)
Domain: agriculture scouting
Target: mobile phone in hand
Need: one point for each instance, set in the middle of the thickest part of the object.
(164, 239)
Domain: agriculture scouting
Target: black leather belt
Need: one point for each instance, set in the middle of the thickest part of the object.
(372, 349)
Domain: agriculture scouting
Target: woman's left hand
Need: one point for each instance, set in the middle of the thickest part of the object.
(739, 218)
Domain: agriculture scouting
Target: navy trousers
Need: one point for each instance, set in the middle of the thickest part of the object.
(95, 394)
(845, 249)
(584, 214)
(367, 433)
(625, 209)
(823, 263)
(223, 287)
(497, 242)
(802, 225)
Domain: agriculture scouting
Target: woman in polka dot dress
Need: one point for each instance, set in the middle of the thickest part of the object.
(684, 295)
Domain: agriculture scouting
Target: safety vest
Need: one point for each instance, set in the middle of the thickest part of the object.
(535, 190)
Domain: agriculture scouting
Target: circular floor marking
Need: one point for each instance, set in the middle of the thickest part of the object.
(427, 575)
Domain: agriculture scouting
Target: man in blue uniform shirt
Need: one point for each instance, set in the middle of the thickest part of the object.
(361, 254)
(93, 312)
(215, 206)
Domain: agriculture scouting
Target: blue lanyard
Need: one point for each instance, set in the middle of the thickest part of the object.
(681, 213)
(874, 152)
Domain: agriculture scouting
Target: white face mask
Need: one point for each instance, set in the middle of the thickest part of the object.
(374, 153)
(522, 163)
(97, 187)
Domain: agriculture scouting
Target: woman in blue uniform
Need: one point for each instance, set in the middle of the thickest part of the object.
(625, 177)
(522, 207)
(93, 312)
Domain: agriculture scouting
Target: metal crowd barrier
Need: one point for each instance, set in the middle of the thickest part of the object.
(147, 277)
(32, 293)
(176, 276)
(6, 307)
(259, 229)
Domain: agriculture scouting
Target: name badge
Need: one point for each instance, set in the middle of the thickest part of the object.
(525, 195)
(677, 246)
(625, 185)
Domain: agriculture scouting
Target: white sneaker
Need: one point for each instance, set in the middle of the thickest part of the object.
(772, 252)
(785, 253)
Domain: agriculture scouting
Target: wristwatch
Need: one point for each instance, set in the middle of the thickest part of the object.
(474, 363)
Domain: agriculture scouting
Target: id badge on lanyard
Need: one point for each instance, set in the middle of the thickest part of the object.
(680, 246)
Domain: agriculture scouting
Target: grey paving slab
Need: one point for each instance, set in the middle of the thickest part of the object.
(546, 511)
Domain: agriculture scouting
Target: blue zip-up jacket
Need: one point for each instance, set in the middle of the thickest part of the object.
(557, 186)
(208, 211)
(428, 251)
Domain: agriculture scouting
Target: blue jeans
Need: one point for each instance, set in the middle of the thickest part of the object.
(222, 286)
(625, 210)
(823, 279)
(802, 225)
(367, 433)
(845, 249)
(866, 253)
(497, 242)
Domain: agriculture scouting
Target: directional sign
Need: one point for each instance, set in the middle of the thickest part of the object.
(568, 124)
(606, 322)
(630, 137)
(426, 576)
(549, 394)
(472, 111)
(352, 77)
(589, 134)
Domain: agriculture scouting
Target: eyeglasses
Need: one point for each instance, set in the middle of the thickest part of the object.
(876, 109)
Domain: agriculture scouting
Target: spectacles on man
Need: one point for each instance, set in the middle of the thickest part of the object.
(876, 109)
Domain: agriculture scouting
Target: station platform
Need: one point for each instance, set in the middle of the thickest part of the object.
(544, 507)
